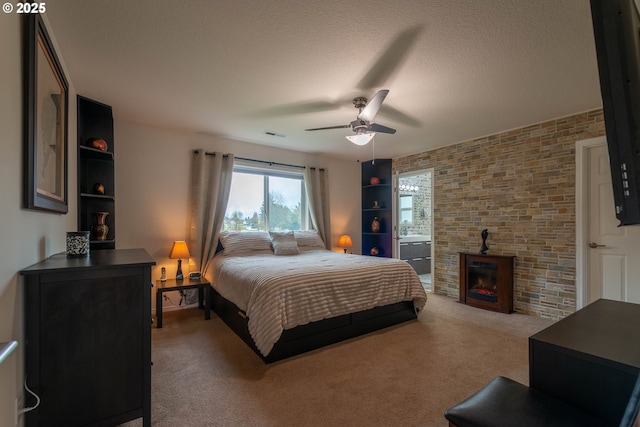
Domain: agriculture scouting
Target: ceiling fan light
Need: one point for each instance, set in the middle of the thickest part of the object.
(361, 138)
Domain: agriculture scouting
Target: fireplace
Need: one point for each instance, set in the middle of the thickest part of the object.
(486, 281)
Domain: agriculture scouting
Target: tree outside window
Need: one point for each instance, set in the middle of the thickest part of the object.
(265, 200)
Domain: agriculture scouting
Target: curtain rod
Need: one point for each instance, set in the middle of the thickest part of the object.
(260, 161)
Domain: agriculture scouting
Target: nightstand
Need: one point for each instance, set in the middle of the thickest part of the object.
(204, 294)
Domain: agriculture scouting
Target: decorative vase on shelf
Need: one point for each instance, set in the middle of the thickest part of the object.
(100, 229)
(374, 251)
(375, 225)
(374, 180)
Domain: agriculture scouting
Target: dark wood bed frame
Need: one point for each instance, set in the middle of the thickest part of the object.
(316, 334)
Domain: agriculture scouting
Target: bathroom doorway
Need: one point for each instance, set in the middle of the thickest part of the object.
(413, 225)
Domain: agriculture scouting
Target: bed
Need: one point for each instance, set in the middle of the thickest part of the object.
(285, 294)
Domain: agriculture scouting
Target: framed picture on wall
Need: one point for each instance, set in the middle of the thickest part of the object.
(45, 121)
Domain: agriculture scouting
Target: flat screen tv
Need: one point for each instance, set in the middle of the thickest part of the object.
(616, 28)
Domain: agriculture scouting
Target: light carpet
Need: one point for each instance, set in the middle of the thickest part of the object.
(406, 375)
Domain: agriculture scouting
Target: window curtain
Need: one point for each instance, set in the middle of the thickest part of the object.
(210, 187)
(316, 184)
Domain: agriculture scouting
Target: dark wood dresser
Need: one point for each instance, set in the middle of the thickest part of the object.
(88, 338)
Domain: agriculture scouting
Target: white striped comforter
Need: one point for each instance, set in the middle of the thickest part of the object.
(282, 292)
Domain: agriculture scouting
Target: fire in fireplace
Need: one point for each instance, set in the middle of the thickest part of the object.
(483, 281)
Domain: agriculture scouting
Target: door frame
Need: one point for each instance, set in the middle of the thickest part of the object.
(582, 216)
(396, 213)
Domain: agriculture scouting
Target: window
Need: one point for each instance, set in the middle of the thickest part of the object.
(406, 209)
(265, 199)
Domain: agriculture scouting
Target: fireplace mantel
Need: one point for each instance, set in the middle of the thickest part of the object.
(486, 281)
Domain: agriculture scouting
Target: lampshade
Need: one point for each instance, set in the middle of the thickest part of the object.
(361, 138)
(179, 250)
(345, 242)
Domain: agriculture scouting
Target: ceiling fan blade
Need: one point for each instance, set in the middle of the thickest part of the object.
(332, 127)
(296, 108)
(372, 107)
(396, 115)
(374, 127)
(390, 60)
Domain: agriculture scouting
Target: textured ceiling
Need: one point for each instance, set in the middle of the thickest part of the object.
(456, 69)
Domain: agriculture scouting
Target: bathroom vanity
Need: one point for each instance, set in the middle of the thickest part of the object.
(416, 250)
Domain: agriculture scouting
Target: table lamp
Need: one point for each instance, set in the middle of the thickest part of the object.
(179, 251)
(345, 242)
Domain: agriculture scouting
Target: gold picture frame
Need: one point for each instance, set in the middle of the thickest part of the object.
(46, 95)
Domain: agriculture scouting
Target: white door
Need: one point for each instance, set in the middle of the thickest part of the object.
(613, 252)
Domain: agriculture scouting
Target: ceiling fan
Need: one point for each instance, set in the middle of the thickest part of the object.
(362, 127)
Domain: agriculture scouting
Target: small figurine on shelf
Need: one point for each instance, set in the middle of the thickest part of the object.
(376, 205)
(375, 225)
(98, 188)
(374, 251)
(97, 143)
(374, 180)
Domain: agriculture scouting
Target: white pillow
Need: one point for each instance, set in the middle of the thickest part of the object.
(308, 238)
(284, 243)
(245, 241)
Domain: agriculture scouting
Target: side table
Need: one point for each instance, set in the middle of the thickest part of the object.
(204, 294)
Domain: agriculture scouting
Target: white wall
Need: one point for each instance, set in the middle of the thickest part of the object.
(152, 183)
(27, 236)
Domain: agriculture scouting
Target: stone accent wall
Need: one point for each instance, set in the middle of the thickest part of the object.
(520, 185)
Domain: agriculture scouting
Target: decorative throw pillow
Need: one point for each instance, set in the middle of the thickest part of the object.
(245, 241)
(308, 238)
(284, 243)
